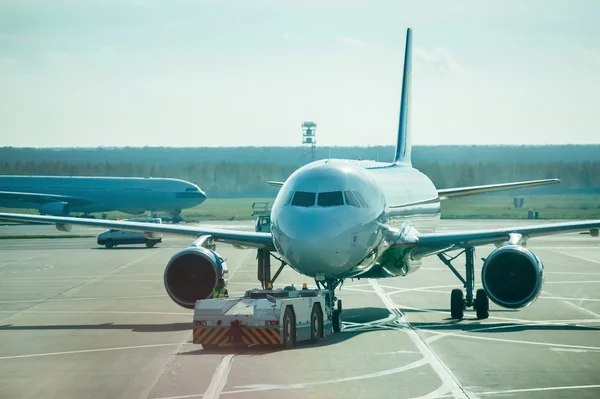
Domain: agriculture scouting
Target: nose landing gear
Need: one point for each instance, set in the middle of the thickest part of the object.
(331, 284)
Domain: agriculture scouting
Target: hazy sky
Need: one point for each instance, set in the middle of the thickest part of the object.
(223, 73)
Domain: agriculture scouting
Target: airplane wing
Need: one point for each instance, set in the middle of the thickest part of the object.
(275, 183)
(431, 243)
(37, 198)
(447, 193)
(241, 238)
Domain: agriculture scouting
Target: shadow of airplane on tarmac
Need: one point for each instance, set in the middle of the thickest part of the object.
(355, 322)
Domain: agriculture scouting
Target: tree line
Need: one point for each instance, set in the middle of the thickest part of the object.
(231, 179)
(300, 155)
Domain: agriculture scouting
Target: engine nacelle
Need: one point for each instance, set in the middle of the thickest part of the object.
(192, 274)
(63, 227)
(56, 208)
(512, 276)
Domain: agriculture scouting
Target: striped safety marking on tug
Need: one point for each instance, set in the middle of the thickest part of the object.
(249, 336)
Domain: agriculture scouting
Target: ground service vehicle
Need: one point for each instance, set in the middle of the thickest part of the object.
(111, 238)
(265, 317)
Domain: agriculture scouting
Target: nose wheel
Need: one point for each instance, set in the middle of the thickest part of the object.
(331, 284)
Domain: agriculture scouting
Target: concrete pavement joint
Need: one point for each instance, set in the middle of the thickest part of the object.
(443, 372)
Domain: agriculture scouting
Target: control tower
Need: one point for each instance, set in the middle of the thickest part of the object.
(309, 130)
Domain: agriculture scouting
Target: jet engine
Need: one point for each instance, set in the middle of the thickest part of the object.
(63, 227)
(512, 276)
(57, 208)
(192, 274)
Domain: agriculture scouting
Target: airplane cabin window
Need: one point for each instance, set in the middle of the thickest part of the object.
(361, 199)
(351, 199)
(303, 198)
(331, 198)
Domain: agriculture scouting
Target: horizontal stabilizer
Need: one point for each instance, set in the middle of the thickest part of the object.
(490, 188)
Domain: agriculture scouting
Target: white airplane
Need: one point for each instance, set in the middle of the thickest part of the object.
(61, 195)
(335, 219)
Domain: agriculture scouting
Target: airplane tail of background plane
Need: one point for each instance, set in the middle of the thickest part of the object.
(403, 144)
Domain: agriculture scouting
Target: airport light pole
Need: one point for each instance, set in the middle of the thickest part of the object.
(308, 137)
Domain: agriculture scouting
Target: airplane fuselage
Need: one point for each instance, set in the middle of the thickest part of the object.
(340, 218)
(105, 194)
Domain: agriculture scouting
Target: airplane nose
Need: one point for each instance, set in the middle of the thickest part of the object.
(311, 241)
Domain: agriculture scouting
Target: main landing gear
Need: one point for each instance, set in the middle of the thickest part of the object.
(458, 303)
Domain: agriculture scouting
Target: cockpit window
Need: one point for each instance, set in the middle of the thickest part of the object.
(303, 198)
(331, 198)
(360, 199)
(191, 189)
(288, 200)
(351, 199)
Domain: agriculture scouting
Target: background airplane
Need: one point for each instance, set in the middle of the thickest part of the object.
(59, 196)
(336, 219)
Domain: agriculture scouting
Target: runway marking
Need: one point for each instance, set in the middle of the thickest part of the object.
(20, 260)
(269, 387)
(439, 335)
(541, 297)
(572, 282)
(219, 378)
(87, 351)
(81, 277)
(545, 271)
(359, 290)
(573, 350)
(576, 256)
(444, 373)
(577, 306)
(93, 312)
(124, 266)
(539, 389)
(80, 284)
(421, 289)
(272, 387)
(84, 299)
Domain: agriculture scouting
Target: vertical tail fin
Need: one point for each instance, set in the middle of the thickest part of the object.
(403, 145)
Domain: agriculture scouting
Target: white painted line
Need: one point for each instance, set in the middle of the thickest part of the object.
(444, 373)
(82, 276)
(92, 312)
(573, 350)
(3, 264)
(572, 282)
(571, 255)
(87, 351)
(570, 299)
(539, 389)
(420, 289)
(219, 379)
(383, 373)
(85, 299)
(358, 290)
(271, 387)
(511, 341)
(576, 306)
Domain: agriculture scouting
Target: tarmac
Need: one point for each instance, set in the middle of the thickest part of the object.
(80, 321)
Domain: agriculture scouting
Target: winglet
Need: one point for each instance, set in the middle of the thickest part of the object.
(403, 144)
